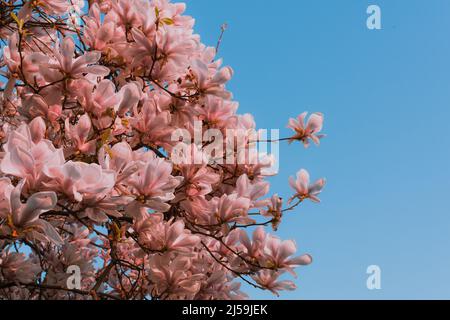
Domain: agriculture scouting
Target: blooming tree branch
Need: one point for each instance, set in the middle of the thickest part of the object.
(115, 134)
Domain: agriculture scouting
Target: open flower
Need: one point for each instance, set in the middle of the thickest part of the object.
(89, 185)
(79, 133)
(119, 158)
(80, 181)
(154, 183)
(305, 190)
(198, 177)
(23, 219)
(268, 279)
(307, 131)
(213, 84)
(97, 35)
(252, 190)
(278, 255)
(26, 155)
(231, 208)
(67, 65)
(274, 211)
(16, 266)
(159, 235)
(154, 125)
(54, 6)
(174, 277)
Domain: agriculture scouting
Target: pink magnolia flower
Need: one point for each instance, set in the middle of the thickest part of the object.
(54, 6)
(144, 48)
(252, 190)
(37, 129)
(182, 112)
(198, 177)
(98, 98)
(25, 65)
(218, 113)
(89, 185)
(11, 55)
(76, 251)
(305, 132)
(305, 190)
(35, 105)
(127, 12)
(199, 210)
(105, 5)
(277, 255)
(173, 277)
(154, 183)
(231, 208)
(80, 181)
(152, 124)
(24, 219)
(159, 235)
(254, 249)
(255, 166)
(213, 85)
(218, 286)
(79, 134)
(17, 268)
(269, 280)
(97, 35)
(12, 58)
(120, 159)
(130, 95)
(26, 158)
(199, 180)
(274, 211)
(66, 66)
(176, 238)
(175, 46)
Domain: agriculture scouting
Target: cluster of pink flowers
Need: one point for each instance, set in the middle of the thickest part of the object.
(90, 94)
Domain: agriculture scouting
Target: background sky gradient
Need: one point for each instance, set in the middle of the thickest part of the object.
(386, 97)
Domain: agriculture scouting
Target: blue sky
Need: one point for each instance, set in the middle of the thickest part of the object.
(386, 97)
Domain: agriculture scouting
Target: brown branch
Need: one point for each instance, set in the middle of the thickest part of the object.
(53, 287)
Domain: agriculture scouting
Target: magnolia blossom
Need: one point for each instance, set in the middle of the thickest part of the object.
(279, 253)
(175, 277)
(79, 133)
(309, 130)
(54, 6)
(206, 82)
(274, 210)
(80, 181)
(123, 153)
(17, 268)
(66, 66)
(305, 190)
(156, 234)
(154, 184)
(252, 190)
(23, 220)
(120, 159)
(231, 208)
(26, 155)
(269, 279)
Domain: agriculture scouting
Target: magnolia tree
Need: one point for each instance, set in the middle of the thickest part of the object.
(125, 170)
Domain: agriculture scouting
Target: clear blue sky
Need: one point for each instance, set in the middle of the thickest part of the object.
(386, 98)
